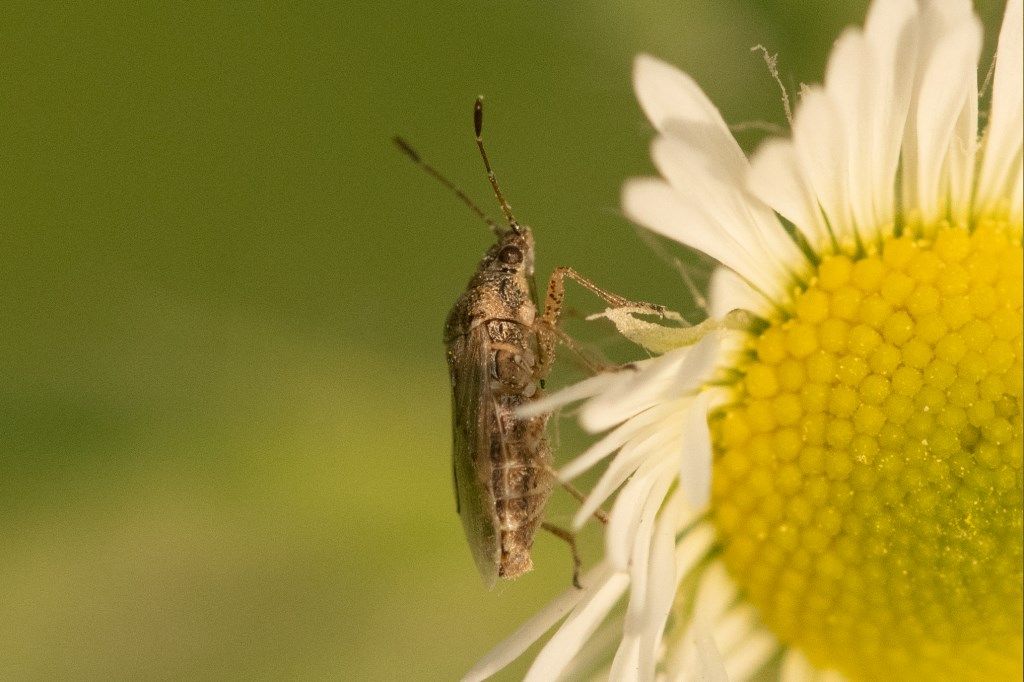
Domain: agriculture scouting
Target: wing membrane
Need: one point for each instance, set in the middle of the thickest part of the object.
(473, 414)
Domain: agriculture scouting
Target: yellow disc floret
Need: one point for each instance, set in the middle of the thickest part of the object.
(868, 476)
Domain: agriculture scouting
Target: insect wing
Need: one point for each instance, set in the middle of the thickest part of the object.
(473, 416)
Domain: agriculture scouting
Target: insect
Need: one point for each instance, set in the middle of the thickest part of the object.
(500, 349)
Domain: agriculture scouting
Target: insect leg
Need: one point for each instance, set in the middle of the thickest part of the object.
(598, 514)
(553, 310)
(570, 540)
(548, 337)
(556, 294)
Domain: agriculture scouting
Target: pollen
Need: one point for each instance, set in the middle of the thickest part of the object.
(869, 497)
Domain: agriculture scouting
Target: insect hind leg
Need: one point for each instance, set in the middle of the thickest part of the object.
(570, 539)
(598, 514)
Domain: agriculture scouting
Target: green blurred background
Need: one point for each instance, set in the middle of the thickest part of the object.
(223, 401)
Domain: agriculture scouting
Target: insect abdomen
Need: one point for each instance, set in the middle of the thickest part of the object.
(522, 483)
(522, 477)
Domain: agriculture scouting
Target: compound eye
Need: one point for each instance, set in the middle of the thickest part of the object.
(511, 255)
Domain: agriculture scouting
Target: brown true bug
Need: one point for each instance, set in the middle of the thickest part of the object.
(500, 350)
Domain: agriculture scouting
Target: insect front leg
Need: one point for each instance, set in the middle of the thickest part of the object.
(548, 332)
(556, 295)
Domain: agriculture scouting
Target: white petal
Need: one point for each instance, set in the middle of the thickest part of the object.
(661, 584)
(691, 552)
(1017, 195)
(733, 628)
(693, 549)
(640, 552)
(796, 668)
(962, 154)
(775, 178)
(629, 663)
(706, 174)
(751, 656)
(715, 592)
(696, 655)
(667, 94)
(656, 205)
(924, 179)
(819, 141)
(695, 473)
(729, 292)
(710, 666)
(652, 443)
(711, 164)
(593, 656)
(585, 389)
(612, 441)
(1001, 159)
(699, 363)
(675, 374)
(633, 506)
(891, 32)
(886, 24)
(947, 85)
(846, 149)
(949, 12)
(530, 631)
(846, 84)
(710, 150)
(635, 391)
(707, 608)
(578, 627)
(626, 664)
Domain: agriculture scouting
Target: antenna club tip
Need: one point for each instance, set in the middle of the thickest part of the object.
(478, 115)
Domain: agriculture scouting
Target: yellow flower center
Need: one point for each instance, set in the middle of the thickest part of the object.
(867, 479)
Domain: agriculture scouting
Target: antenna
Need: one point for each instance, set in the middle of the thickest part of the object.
(478, 124)
(437, 175)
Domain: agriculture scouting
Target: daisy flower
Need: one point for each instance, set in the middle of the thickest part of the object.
(824, 479)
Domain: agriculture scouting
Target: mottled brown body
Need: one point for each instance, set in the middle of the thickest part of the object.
(499, 351)
(497, 360)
